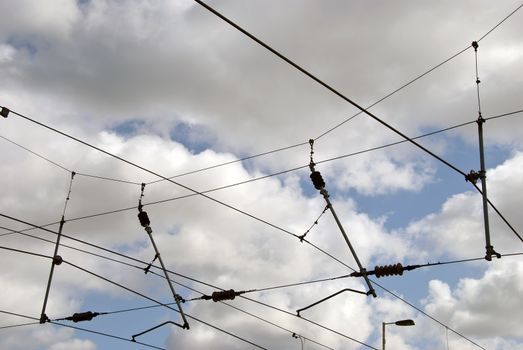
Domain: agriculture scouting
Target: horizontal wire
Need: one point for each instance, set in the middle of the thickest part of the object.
(108, 178)
(327, 86)
(264, 176)
(504, 115)
(25, 252)
(231, 162)
(81, 329)
(145, 263)
(160, 303)
(273, 174)
(270, 306)
(20, 325)
(36, 154)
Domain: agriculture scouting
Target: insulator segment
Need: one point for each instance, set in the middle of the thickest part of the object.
(4, 112)
(317, 180)
(389, 270)
(82, 316)
(144, 219)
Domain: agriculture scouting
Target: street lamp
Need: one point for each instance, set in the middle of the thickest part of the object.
(403, 323)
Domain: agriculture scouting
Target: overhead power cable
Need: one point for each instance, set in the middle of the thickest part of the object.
(284, 172)
(172, 272)
(287, 312)
(329, 87)
(336, 92)
(107, 335)
(160, 303)
(243, 212)
(266, 176)
(64, 168)
(26, 252)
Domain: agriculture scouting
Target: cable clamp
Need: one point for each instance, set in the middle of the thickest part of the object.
(44, 318)
(474, 176)
(491, 252)
(475, 45)
(4, 112)
(57, 260)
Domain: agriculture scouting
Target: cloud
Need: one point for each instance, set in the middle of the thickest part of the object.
(481, 307)
(458, 227)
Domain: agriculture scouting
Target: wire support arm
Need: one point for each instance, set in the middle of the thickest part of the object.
(329, 297)
(133, 338)
(319, 184)
(145, 222)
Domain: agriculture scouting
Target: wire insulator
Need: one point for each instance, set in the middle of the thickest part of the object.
(224, 295)
(388, 270)
(144, 219)
(82, 316)
(4, 112)
(317, 180)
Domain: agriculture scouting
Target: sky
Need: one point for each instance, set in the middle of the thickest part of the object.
(174, 90)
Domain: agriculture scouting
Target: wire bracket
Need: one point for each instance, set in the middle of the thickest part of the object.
(329, 297)
(184, 326)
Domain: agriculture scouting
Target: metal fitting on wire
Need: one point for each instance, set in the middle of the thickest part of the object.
(4, 112)
(82, 316)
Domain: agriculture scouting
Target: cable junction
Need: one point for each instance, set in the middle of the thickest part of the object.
(57, 259)
(145, 222)
(481, 175)
(319, 184)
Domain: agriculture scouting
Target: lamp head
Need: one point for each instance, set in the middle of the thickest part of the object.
(404, 323)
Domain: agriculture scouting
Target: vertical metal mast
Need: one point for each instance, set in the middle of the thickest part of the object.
(482, 172)
(57, 259)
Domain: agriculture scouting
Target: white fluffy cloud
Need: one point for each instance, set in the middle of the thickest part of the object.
(156, 82)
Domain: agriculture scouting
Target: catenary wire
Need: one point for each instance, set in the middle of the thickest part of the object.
(288, 147)
(158, 302)
(278, 173)
(329, 87)
(499, 23)
(335, 91)
(20, 325)
(270, 175)
(63, 167)
(25, 252)
(319, 325)
(506, 114)
(273, 174)
(175, 273)
(243, 212)
(83, 330)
